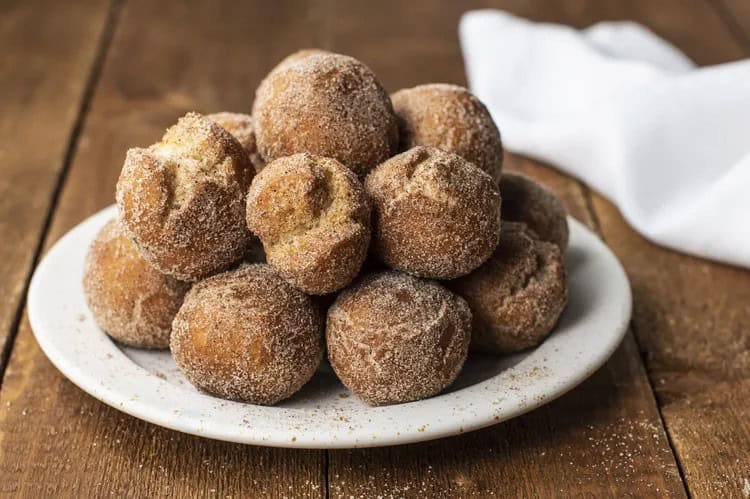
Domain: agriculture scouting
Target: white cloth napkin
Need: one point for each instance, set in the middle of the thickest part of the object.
(629, 114)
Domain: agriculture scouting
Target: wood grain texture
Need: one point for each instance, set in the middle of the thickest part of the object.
(55, 440)
(604, 439)
(46, 60)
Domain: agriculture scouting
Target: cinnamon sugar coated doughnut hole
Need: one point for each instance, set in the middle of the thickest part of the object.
(450, 118)
(248, 335)
(326, 104)
(435, 214)
(533, 204)
(241, 127)
(313, 217)
(395, 338)
(250, 244)
(131, 301)
(517, 297)
(182, 200)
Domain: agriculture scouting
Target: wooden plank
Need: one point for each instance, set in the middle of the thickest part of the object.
(691, 25)
(166, 58)
(56, 441)
(604, 438)
(691, 315)
(736, 15)
(691, 318)
(46, 60)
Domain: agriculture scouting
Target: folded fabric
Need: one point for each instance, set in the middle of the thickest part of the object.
(630, 115)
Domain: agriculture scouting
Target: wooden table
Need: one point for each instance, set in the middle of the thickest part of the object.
(668, 415)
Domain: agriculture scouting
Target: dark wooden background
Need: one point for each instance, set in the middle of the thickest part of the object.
(82, 81)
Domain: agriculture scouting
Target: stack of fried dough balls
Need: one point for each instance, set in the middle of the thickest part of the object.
(338, 221)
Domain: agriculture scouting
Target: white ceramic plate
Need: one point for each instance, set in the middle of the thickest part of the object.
(324, 414)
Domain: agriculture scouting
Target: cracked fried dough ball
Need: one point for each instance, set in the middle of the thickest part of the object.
(326, 104)
(130, 300)
(241, 127)
(435, 214)
(395, 338)
(533, 204)
(313, 217)
(248, 335)
(450, 118)
(517, 297)
(182, 200)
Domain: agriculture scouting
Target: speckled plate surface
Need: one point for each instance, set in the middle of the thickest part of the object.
(324, 414)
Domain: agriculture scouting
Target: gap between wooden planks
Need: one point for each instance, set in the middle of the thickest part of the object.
(49, 62)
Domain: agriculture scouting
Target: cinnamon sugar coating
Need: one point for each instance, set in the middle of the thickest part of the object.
(395, 338)
(517, 297)
(248, 335)
(450, 118)
(533, 204)
(435, 214)
(182, 200)
(241, 127)
(313, 217)
(325, 104)
(131, 301)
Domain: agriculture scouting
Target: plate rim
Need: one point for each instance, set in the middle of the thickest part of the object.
(142, 409)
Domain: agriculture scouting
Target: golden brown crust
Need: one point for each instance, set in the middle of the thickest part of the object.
(313, 217)
(516, 297)
(182, 200)
(325, 104)
(450, 118)
(241, 127)
(435, 214)
(533, 204)
(248, 335)
(395, 338)
(131, 301)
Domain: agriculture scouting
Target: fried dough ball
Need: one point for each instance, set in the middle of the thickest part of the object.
(325, 104)
(533, 204)
(436, 214)
(517, 297)
(241, 127)
(248, 335)
(313, 217)
(395, 338)
(131, 301)
(450, 118)
(182, 200)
